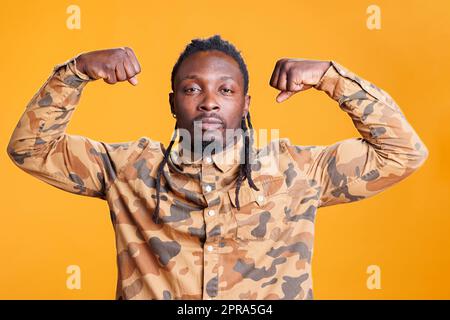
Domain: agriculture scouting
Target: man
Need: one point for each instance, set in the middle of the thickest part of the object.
(190, 225)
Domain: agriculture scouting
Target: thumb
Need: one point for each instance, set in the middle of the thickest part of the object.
(133, 80)
(284, 95)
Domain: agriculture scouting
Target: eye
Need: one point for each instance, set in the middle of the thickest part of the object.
(190, 90)
(227, 90)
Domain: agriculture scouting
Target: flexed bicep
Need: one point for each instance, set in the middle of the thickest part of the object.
(388, 150)
(351, 170)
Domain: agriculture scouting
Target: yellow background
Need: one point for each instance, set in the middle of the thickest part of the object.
(404, 230)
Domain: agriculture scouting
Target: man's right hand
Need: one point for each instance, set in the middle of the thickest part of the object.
(112, 65)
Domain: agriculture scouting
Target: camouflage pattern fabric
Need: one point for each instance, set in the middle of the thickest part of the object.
(204, 248)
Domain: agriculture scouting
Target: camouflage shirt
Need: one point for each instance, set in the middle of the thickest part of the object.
(205, 248)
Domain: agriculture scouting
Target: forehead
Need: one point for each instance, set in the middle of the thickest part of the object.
(209, 63)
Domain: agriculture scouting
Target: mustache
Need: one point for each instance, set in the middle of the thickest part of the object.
(209, 116)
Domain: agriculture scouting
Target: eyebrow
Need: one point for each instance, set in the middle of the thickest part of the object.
(194, 76)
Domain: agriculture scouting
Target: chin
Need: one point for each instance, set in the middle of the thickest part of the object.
(212, 136)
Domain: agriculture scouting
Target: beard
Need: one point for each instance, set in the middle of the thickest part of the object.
(211, 144)
(206, 144)
(204, 140)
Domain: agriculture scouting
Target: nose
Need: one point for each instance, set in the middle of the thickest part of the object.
(209, 103)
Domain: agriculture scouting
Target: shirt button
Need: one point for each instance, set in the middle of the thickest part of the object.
(208, 160)
(211, 213)
(260, 198)
(208, 188)
(210, 248)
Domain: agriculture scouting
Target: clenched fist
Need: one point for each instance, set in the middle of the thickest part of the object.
(294, 75)
(112, 65)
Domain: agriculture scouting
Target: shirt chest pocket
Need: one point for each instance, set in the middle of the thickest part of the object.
(262, 213)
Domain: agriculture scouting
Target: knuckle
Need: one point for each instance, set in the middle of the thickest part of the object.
(109, 65)
(129, 52)
(123, 55)
(288, 64)
(117, 51)
(120, 53)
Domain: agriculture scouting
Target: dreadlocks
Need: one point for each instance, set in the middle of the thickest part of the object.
(159, 173)
(245, 169)
(213, 43)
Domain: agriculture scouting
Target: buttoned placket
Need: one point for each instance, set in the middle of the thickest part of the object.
(211, 167)
(213, 230)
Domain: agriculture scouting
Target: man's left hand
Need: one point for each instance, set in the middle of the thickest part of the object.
(294, 75)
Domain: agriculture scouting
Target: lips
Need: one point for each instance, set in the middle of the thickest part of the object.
(211, 120)
(210, 123)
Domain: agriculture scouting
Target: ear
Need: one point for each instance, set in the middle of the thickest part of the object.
(171, 102)
(246, 105)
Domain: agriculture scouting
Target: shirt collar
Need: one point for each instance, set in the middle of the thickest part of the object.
(224, 161)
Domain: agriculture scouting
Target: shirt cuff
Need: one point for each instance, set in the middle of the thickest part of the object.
(336, 82)
(72, 65)
(332, 82)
